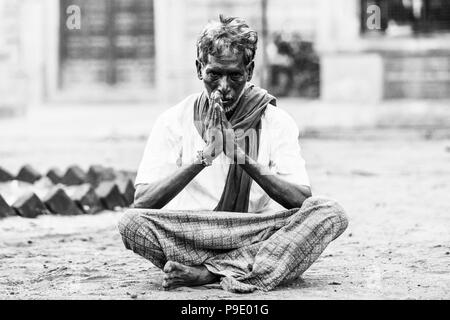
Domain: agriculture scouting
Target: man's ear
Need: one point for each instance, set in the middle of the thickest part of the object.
(250, 68)
(198, 65)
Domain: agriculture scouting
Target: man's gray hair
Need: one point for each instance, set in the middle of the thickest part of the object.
(229, 33)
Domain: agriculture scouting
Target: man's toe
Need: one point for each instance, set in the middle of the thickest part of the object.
(168, 267)
(166, 284)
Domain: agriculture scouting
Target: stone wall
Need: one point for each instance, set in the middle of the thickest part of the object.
(420, 76)
(12, 75)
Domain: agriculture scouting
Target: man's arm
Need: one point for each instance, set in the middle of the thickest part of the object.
(288, 194)
(157, 194)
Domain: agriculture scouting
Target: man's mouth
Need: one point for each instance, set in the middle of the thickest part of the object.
(228, 107)
(227, 102)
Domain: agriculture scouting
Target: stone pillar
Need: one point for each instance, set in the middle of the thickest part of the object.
(32, 48)
(51, 64)
(347, 72)
(13, 76)
(175, 52)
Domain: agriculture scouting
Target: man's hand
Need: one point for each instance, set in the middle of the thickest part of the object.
(213, 124)
(230, 146)
(289, 195)
(220, 135)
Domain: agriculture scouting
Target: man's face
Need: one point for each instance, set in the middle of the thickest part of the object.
(228, 74)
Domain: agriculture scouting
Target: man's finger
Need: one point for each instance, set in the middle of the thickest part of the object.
(214, 118)
(207, 119)
(218, 118)
(224, 122)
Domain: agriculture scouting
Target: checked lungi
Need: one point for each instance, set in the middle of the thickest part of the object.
(248, 251)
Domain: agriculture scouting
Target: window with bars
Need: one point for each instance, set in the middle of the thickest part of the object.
(408, 16)
(115, 45)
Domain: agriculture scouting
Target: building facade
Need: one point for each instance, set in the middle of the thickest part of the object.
(373, 50)
(144, 50)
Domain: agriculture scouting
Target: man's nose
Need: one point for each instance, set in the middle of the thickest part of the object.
(224, 86)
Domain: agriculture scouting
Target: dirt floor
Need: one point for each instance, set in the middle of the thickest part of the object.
(394, 184)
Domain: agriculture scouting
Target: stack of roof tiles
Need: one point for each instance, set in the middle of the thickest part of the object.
(73, 192)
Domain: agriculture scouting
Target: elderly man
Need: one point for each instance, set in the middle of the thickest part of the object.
(222, 193)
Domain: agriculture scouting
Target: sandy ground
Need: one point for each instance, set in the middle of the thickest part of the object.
(394, 184)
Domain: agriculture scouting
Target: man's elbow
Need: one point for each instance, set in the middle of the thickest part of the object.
(303, 194)
(142, 201)
(139, 204)
(306, 191)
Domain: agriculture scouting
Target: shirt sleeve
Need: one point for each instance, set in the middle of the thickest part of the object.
(286, 158)
(162, 153)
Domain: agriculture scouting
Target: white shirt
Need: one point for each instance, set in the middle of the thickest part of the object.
(174, 141)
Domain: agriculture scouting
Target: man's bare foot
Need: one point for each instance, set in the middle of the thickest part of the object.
(179, 275)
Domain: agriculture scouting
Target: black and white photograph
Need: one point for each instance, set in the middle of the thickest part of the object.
(244, 150)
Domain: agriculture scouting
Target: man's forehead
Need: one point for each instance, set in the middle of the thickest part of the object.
(229, 59)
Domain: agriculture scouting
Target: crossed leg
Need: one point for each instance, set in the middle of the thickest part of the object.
(247, 251)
